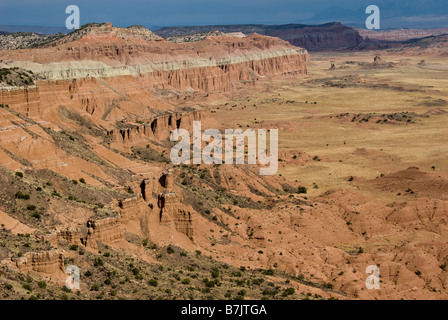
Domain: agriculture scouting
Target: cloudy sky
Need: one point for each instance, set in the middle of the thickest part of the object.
(394, 13)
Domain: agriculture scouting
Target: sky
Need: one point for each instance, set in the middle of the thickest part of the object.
(394, 13)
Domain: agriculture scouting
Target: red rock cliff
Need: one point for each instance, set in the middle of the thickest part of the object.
(108, 72)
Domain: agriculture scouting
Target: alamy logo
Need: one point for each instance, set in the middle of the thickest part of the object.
(213, 151)
(373, 280)
(73, 280)
(373, 21)
(73, 20)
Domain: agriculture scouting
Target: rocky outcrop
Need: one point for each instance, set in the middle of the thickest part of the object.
(108, 231)
(25, 100)
(133, 208)
(49, 262)
(158, 128)
(71, 235)
(167, 180)
(174, 214)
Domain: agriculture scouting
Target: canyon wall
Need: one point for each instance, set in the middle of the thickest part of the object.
(98, 96)
(112, 73)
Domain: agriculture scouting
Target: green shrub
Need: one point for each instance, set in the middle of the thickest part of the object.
(269, 292)
(42, 284)
(31, 207)
(98, 262)
(56, 194)
(19, 174)
(20, 195)
(301, 189)
(153, 283)
(27, 286)
(95, 287)
(288, 292)
(242, 293)
(36, 215)
(136, 271)
(215, 272)
(268, 272)
(169, 250)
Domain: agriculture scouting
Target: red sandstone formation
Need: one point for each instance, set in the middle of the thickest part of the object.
(48, 262)
(107, 230)
(101, 69)
(174, 214)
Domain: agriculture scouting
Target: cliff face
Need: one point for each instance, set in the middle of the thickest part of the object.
(156, 128)
(174, 214)
(330, 36)
(49, 262)
(101, 52)
(108, 230)
(326, 37)
(112, 73)
(23, 100)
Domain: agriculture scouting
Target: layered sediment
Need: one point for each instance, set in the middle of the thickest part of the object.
(49, 262)
(174, 214)
(100, 69)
